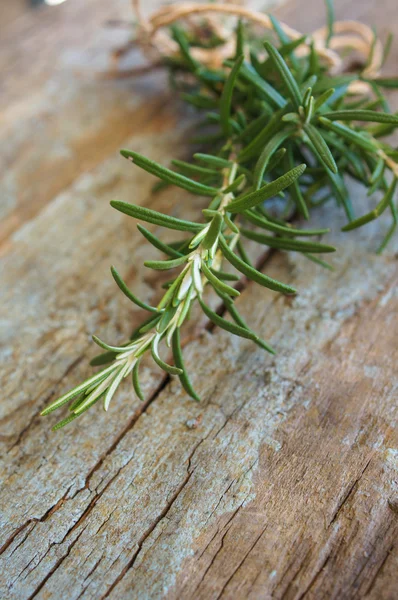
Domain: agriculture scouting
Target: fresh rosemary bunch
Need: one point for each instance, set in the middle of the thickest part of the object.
(280, 126)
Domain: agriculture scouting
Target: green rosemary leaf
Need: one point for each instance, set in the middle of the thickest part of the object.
(253, 127)
(285, 41)
(378, 171)
(285, 74)
(376, 212)
(252, 273)
(232, 187)
(361, 115)
(136, 381)
(88, 403)
(164, 265)
(215, 203)
(339, 82)
(341, 193)
(76, 390)
(167, 175)
(183, 43)
(213, 161)
(318, 261)
(179, 361)
(392, 229)
(314, 64)
(80, 399)
(379, 182)
(112, 388)
(157, 218)
(320, 146)
(164, 366)
(149, 324)
(217, 284)
(288, 47)
(213, 232)
(226, 97)
(330, 20)
(387, 47)
(256, 145)
(200, 100)
(209, 213)
(309, 109)
(391, 153)
(158, 186)
(270, 93)
(157, 243)
(275, 159)
(381, 130)
(165, 319)
(210, 77)
(230, 306)
(107, 346)
(269, 190)
(225, 276)
(240, 39)
(286, 243)
(323, 98)
(266, 155)
(350, 135)
(307, 97)
(387, 82)
(227, 325)
(172, 289)
(309, 83)
(242, 253)
(291, 117)
(287, 50)
(64, 422)
(241, 119)
(208, 139)
(103, 359)
(213, 117)
(127, 292)
(230, 223)
(295, 190)
(186, 307)
(387, 238)
(195, 169)
(251, 216)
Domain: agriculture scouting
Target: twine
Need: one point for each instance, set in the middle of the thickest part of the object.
(156, 43)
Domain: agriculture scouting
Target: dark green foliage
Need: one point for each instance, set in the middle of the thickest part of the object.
(265, 121)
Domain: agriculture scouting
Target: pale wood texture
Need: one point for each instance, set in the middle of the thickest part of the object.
(287, 487)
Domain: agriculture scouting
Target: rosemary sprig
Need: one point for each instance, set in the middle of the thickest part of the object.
(279, 126)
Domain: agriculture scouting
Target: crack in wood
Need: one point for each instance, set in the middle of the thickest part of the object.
(146, 535)
(225, 585)
(57, 564)
(92, 570)
(350, 491)
(34, 520)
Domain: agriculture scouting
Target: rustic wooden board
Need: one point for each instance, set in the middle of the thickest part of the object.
(288, 485)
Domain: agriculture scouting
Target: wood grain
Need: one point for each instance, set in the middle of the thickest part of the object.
(283, 482)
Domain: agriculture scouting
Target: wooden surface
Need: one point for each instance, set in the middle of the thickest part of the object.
(287, 487)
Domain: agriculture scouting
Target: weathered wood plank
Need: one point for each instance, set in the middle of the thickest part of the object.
(59, 117)
(288, 485)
